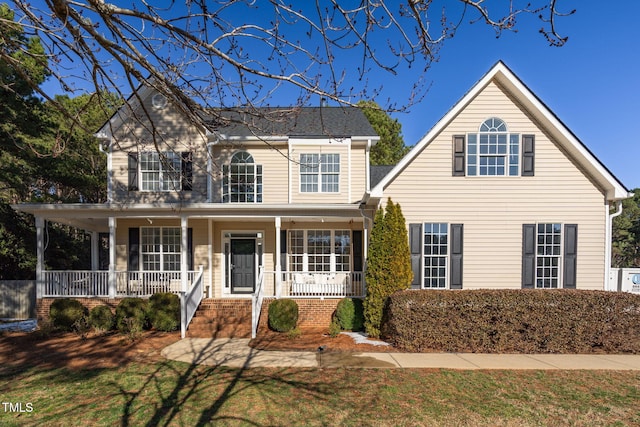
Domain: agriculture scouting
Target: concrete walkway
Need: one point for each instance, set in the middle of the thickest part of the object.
(236, 353)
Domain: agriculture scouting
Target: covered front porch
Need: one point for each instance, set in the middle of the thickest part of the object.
(212, 251)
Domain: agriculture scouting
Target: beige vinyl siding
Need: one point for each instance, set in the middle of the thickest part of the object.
(175, 134)
(493, 209)
(341, 148)
(272, 157)
(358, 172)
(200, 241)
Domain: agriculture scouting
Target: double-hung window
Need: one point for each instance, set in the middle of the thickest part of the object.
(493, 151)
(549, 255)
(242, 180)
(436, 255)
(319, 173)
(320, 250)
(160, 171)
(160, 248)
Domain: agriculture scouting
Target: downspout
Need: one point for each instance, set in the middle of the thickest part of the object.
(608, 248)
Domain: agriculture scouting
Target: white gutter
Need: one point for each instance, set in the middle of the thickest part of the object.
(608, 249)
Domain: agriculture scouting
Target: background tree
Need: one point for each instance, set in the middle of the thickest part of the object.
(626, 233)
(390, 149)
(241, 53)
(388, 264)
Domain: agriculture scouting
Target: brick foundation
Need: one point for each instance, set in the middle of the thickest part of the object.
(43, 305)
(312, 313)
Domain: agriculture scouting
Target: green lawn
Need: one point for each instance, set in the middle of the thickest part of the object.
(174, 393)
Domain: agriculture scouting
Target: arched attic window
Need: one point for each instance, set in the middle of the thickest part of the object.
(493, 151)
(242, 180)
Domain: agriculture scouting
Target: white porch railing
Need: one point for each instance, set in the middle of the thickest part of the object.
(189, 302)
(96, 283)
(256, 303)
(311, 284)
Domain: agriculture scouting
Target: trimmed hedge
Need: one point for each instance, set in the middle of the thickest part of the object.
(514, 321)
(66, 313)
(101, 318)
(349, 314)
(131, 315)
(283, 315)
(164, 311)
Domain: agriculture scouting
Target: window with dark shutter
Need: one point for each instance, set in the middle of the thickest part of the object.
(187, 171)
(528, 256)
(357, 247)
(457, 238)
(133, 263)
(528, 155)
(133, 172)
(570, 256)
(415, 245)
(458, 155)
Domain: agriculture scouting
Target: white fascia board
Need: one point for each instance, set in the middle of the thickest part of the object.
(378, 190)
(614, 190)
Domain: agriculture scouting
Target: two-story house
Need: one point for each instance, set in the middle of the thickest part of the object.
(278, 203)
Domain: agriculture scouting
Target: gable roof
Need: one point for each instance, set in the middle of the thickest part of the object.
(500, 73)
(323, 121)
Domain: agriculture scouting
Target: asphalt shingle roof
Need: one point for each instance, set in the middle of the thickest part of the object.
(334, 122)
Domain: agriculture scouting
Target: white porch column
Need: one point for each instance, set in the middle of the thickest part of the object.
(278, 268)
(112, 257)
(39, 256)
(95, 251)
(184, 252)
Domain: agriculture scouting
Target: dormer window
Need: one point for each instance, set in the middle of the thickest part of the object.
(242, 181)
(493, 151)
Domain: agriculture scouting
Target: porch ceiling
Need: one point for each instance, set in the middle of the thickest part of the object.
(95, 217)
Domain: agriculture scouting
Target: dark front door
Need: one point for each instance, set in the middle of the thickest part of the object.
(243, 266)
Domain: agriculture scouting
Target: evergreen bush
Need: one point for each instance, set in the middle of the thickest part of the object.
(101, 318)
(164, 311)
(283, 315)
(388, 264)
(131, 315)
(66, 312)
(349, 314)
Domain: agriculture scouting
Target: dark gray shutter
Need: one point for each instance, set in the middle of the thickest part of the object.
(283, 250)
(570, 255)
(190, 249)
(187, 171)
(133, 172)
(457, 238)
(415, 245)
(356, 245)
(133, 263)
(528, 256)
(458, 155)
(528, 155)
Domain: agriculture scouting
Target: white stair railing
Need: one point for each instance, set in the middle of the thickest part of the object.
(189, 302)
(256, 303)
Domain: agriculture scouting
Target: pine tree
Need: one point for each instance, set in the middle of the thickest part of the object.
(388, 264)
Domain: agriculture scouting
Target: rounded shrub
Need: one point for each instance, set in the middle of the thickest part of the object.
(164, 311)
(66, 312)
(101, 318)
(350, 314)
(283, 315)
(131, 315)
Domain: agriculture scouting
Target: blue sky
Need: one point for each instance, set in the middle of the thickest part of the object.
(592, 83)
